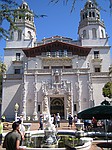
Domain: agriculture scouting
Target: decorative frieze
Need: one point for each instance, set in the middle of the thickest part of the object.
(57, 62)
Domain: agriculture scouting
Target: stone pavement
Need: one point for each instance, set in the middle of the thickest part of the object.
(63, 126)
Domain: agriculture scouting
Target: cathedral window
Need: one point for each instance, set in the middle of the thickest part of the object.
(28, 17)
(94, 33)
(20, 17)
(19, 35)
(90, 5)
(89, 14)
(17, 71)
(18, 56)
(23, 6)
(29, 35)
(84, 33)
(46, 67)
(39, 108)
(98, 16)
(83, 16)
(102, 33)
(12, 35)
(97, 69)
(96, 54)
(93, 13)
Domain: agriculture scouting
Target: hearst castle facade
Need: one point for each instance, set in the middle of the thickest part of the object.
(58, 73)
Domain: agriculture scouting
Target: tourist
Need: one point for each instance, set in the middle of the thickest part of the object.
(87, 125)
(12, 139)
(70, 119)
(75, 119)
(22, 130)
(1, 131)
(41, 122)
(57, 120)
(94, 122)
(54, 119)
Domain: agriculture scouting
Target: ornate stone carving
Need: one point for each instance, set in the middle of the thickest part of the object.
(77, 90)
(57, 62)
(45, 104)
(69, 103)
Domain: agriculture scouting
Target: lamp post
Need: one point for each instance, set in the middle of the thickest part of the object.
(16, 110)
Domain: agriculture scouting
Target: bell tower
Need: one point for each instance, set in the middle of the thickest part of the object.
(91, 27)
(25, 28)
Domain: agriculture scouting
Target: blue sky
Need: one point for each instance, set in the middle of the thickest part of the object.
(60, 21)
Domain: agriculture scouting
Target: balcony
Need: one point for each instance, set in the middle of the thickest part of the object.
(57, 54)
(96, 59)
(17, 60)
(13, 76)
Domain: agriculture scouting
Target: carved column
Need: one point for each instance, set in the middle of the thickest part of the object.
(35, 99)
(91, 102)
(78, 92)
(69, 103)
(45, 105)
(24, 97)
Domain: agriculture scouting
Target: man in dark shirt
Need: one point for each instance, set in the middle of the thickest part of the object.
(12, 139)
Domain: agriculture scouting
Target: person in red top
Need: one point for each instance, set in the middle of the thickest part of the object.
(94, 122)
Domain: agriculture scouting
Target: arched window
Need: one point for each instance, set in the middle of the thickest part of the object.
(102, 33)
(12, 35)
(90, 4)
(83, 16)
(19, 35)
(89, 14)
(94, 33)
(84, 34)
(93, 14)
(29, 35)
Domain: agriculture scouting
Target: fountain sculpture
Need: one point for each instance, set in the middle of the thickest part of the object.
(50, 139)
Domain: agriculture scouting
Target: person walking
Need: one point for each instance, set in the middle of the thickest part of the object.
(70, 118)
(1, 131)
(54, 120)
(41, 122)
(75, 119)
(12, 139)
(57, 120)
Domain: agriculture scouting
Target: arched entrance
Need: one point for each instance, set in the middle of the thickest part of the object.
(57, 106)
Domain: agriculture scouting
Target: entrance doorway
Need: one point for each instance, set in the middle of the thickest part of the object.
(57, 106)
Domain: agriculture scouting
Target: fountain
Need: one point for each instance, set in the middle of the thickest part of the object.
(49, 140)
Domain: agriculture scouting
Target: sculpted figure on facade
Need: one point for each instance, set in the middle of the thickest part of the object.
(44, 89)
(90, 87)
(77, 90)
(35, 86)
(69, 103)
(45, 104)
(69, 86)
